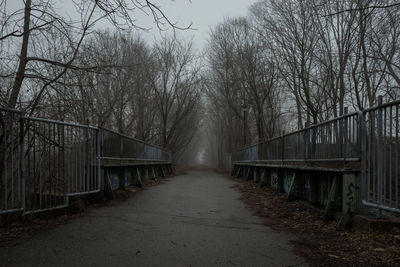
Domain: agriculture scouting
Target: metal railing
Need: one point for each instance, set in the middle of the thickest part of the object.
(11, 162)
(116, 146)
(370, 137)
(381, 159)
(45, 162)
(61, 160)
(334, 140)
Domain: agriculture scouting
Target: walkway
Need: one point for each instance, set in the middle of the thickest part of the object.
(192, 220)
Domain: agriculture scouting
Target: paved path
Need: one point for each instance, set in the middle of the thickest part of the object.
(192, 220)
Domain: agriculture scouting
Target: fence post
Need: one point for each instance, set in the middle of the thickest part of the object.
(99, 155)
(305, 137)
(362, 131)
(283, 146)
(345, 133)
(380, 154)
(21, 161)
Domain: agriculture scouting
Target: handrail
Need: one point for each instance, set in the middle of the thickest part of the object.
(300, 130)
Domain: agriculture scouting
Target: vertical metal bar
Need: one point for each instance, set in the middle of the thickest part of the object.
(75, 157)
(330, 127)
(49, 182)
(64, 169)
(390, 155)
(33, 176)
(86, 160)
(41, 155)
(334, 137)
(323, 140)
(21, 161)
(75, 146)
(96, 156)
(92, 157)
(99, 154)
(12, 160)
(305, 142)
(384, 163)
(60, 180)
(81, 138)
(345, 133)
(70, 155)
(366, 119)
(90, 160)
(79, 158)
(380, 146)
(92, 167)
(55, 164)
(5, 159)
(397, 157)
(121, 148)
(78, 166)
(92, 146)
(373, 154)
(362, 131)
(28, 172)
(356, 136)
(74, 161)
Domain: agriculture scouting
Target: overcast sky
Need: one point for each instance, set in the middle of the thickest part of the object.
(204, 14)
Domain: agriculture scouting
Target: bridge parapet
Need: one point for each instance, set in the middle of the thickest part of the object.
(46, 162)
(360, 149)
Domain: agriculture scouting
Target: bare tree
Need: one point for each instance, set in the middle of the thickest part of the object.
(37, 25)
(177, 87)
(242, 87)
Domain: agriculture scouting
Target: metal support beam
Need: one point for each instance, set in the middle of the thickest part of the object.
(238, 172)
(290, 195)
(162, 170)
(248, 177)
(262, 178)
(330, 206)
(255, 172)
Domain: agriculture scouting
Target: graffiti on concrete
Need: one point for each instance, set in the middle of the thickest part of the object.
(350, 198)
(274, 180)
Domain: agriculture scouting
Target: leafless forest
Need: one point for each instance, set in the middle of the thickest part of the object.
(288, 64)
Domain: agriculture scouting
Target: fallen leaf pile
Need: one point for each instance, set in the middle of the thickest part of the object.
(322, 244)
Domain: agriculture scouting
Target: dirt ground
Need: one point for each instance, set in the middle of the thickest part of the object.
(322, 244)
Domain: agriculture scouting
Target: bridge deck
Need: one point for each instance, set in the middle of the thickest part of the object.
(192, 220)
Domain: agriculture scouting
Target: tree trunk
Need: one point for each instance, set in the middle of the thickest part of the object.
(19, 77)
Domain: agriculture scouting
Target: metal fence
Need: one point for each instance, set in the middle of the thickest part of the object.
(11, 149)
(44, 162)
(380, 161)
(61, 160)
(334, 140)
(116, 146)
(370, 137)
